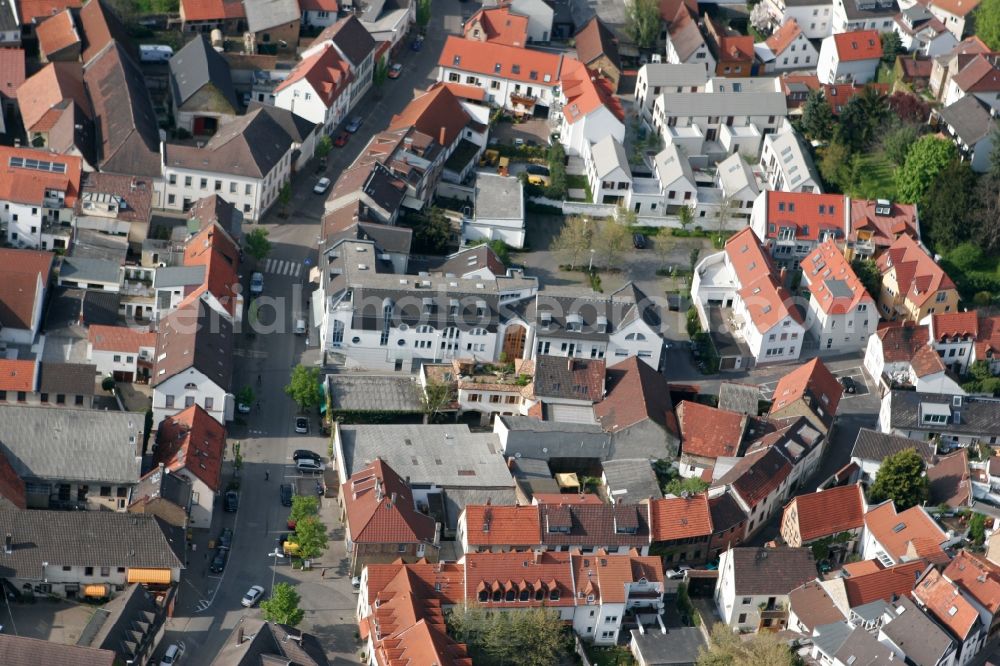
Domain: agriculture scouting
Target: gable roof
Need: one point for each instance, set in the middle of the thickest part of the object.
(24, 651)
(813, 606)
(250, 145)
(832, 281)
(586, 93)
(380, 508)
(594, 40)
(674, 518)
(635, 392)
(917, 274)
(884, 229)
(501, 24)
(502, 61)
(902, 342)
(757, 474)
(783, 37)
(570, 378)
(47, 88)
(945, 602)
(767, 301)
(221, 257)
(351, 39)
(12, 72)
(194, 441)
(487, 524)
(264, 14)
(36, 11)
(102, 26)
(858, 45)
(685, 35)
(771, 571)
(20, 272)
(885, 584)
(437, 114)
(969, 118)
(709, 432)
(808, 214)
(949, 480)
(193, 335)
(917, 635)
(198, 65)
(27, 185)
(876, 446)
(980, 75)
(211, 10)
(905, 532)
(956, 7)
(813, 384)
(324, 70)
(57, 33)
(829, 511)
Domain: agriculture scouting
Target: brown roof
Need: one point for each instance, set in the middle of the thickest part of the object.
(771, 571)
(20, 272)
(946, 604)
(978, 577)
(594, 524)
(783, 37)
(918, 276)
(956, 7)
(327, 73)
(883, 584)
(101, 26)
(11, 72)
(829, 512)
(194, 441)
(757, 475)
(380, 508)
(905, 342)
(195, 336)
(635, 392)
(949, 480)
(22, 651)
(36, 11)
(895, 531)
(503, 525)
(57, 33)
(680, 517)
(825, 269)
(351, 37)
(501, 26)
(48, 87)
(813, 606)
(437, 114)
(120, 338)
(595, 40)
(709, 432)
(135, 192)
(726, 512)
(572, 378)
(12, 486)
(813, 384)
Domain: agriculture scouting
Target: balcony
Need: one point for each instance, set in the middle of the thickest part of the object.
(527, 101)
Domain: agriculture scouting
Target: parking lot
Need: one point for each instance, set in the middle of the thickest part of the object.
(856, 374)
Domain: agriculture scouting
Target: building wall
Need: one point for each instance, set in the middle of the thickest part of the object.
(286, 32)
(162, 509)
(301, 99)
(24, 221)
(171, 396)
(843, 24)
(499, 90)
(814, 19)
(110, 362)
(831, 69)
(316, 18)
(363, 554)
(801, 54)
(844, 332)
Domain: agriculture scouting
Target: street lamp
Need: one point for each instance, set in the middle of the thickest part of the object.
(590, 268)
(274, 564)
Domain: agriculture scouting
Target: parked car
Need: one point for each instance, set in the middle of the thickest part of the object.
(307, 465)
(538, 175)
(850, 386)
(172, 655)
(354, 124)
(300, 327)
(219, 561)
(252, 596)
(286, 494)
(232, 501)
(243, 408)
(322, 185)
(306, 453)
(678, 573)
(639, 241)
(395, 70)
(302, 425)
(226, 538)
(341, 139)
(257, 283)
(417, 44)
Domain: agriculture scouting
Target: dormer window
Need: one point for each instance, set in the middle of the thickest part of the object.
(428, 305)
(574, 323)
(496, 68)
(602, 324)
(546, 319)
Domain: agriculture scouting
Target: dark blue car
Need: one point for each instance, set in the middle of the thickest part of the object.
(417, 44)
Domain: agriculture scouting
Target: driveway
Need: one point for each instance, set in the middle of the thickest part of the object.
(533, 129)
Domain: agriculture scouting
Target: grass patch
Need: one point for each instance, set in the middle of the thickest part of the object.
(609, 656)
(876, 177)
(579, 182)
(886, 74)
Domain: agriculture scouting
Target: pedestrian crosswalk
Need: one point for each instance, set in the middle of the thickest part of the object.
(283, 267)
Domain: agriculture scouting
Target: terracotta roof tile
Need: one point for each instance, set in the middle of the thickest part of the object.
(380, 508)
(18, 375)
(814, 385)
(221, 259)
(635, 392)
(488, 577)
(945, 602)
(498, 60)
(858, 45)
(318, 6)
(488, 525)
(861, 568)
(767, 302)
(586, 92)
(565, 498)
(896, 530)
(29, 185)
(421, 643)
(501, 25)
(988, 342)
(11, 72)
(808, 213)
(949, 480)
(978, 76)
(783, 37)
(327, 73)
(918, 276)
(47, 88)
(883, 230)
(813, 606)
(709, 432)
(824, 269)
(33, 11)
(756, 475)
(461, 90)
(101, 26)
(57, 33)
(595, 40)
(680, 518)
(20, 273)
(435, 113)
(120, 338)
(442, 581)
(828, 512)
(884, 584)
(955, 325)
(571, 378)
(956, 7)
(208, 10)
(194, 441)
(978, 577)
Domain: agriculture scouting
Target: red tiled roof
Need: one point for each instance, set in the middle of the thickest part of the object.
(956, 7)
(757, 475)
(945, 602)
(978, 577)
(670, 8)
(437, 114)
(441, 581)
(28, 186)
(767, 302)
(680, 518)
(33, 11)
(11, 72)
(949, 480)
(814, 384)
(503, 525)
(709, 432)
(501, 61)
(635, 392)
(548, 572)
(565, 498)
(380, 508)
(861, 568)
(47, 88)
(586, 92)
(858, 45)
(882, 229)
(318, 5)
(738, 48)
(421, 643)
(783, 37)
(988, 342)
(955, 325)
(194, 441)
(325, 71)
(895, 530)
(17, 375)
(120, 338)
(607, 576)
(212, 10)
(918, 276)
(809, 214)
(882, 584)
(20, 273)
(501, 25)
(979, 76)
(828, 512)
(827, 263)
(461, 90)
(220, 257)
(902, 342)
(57, 33)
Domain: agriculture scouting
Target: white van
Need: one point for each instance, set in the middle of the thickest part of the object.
(300, 327)
(155, 53)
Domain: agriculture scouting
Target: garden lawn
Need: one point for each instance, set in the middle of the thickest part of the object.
(610, 656)
(876, 178)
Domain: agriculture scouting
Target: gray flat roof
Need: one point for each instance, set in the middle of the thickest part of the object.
(678, 646)
(499, 197)
(374, 393)
(82, 269)
(725, 104)
(635, 477)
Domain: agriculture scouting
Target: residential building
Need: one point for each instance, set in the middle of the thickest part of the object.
(590, 109)
(318, 13)
(164, 495)
(630, 481)
(121, 352)
(979, 580)
(900, 355)
(843, 643)
(540, 16)
(11, 79)
(193, 362)
(752, 590)
(497, 25)
(608, 172)
(876, 224)
(273, 24)
(318, 89)
(841, 315)
(59, 39)
(486, 389)
(253, 638)
(52, 101)
(854, 15)
(893, 537)
(10, 28)
(567, 388)
(729, 521)
(825, 514)
(946, 603)
(945, 67)
(39, 192)
(680, 528)
(356, 45)
(787, 165)
(24, 281)
(191, 444)
(637, 411)
(872, 447)
(971, 124)
(921, 32)
(523, 437)
(810, 606)
(247, 161)
(980, 78)
(381, 520)
(656, 78)
(912, 635)
(950, 481)
(203, 16)
(913, 285)
(850, 56)
(22, 649)
(388, 23)
(960, 338)
(787, 49)
(813, 16)
(707, 434)
(953, 14)
(733, 52)
(498, 203)
(201, 88)
(597, 48)
(685, 43)
(951, 421)
(131, 625)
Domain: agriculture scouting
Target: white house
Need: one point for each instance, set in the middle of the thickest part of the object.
(590, 110)
(39, 192)
(121, 352)
(246, 162)
(954, 420)
(677, 181)
(318, 12)
(751, 592)
(540, 16)
(686, 45)
(980, 78)
(24, 283)
(738, 185)
(608, 171)
(355, 45)
(813, 16)
(498, 214)
(900, 355)
(192, 445)
(657, 78)
(850, 15)
(953, 14)
(971, 126)
(787, 49)
(959, 338)
(318, 89)
(921, 32)
(193, 364)
(787, 165)
(849, 56)
(792, 224)
(841, 315)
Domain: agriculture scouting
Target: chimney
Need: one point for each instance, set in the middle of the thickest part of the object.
(538, 557)
(441, 135)
(392, 500)
(783, 277)
(8, 544)
(569, 363)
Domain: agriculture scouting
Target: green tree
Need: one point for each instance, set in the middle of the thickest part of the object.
(436, 398)
(574, 240)
(557, 172)
(304, 387)
(303, 506)
(245, 396)
(612, 238)
(530, 637)
(861, 119)
(643, 22)
(901, 478)
(423, 13)
(432, 231)
(987, 19)
(867, 271)
(310, 536)
(108, 384)
(892, 46)
(693, 258)
(626, 216)
(728, 648)
(285, 197)
(257, 244)
(981, 379)
(283, 606)
(896, 143)
(685, 216)
(977, 529)
(680, 485)
(381, 72)
(985, 208)
(928, 157)
(835, 165)
(817, 121)
(944, 208)
(324, 146)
